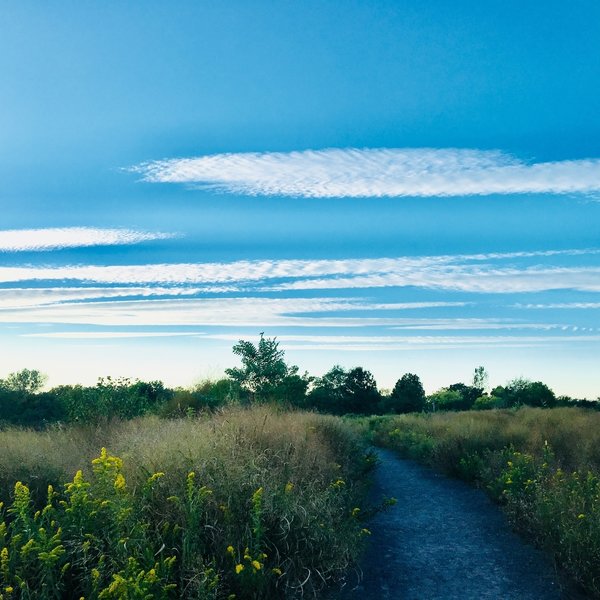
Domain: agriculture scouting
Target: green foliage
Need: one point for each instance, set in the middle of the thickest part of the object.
(445, 399)
(480, 379)
(26, 381)
(457, 396)
(340, 392)
(407, 396)
(206, 395)
(522, 392)
(247, 502)
(263, 368)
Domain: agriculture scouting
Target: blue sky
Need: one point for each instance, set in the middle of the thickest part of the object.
(405, 186)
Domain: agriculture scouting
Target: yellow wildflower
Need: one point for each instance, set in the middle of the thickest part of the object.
(230, 550)
(581, 516)
(355, 511)
(276, 571)
(120, 482)
(289, 486)
(239, 568)
(257, 566)
(156, 476)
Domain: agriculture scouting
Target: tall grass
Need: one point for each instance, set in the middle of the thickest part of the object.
(542, 465)
(247, 504)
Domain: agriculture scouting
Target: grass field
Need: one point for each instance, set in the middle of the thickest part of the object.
(250, 503)
(542, 465)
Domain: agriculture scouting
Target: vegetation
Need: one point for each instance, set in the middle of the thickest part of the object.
(228, 490)
(543, 466)
(249, 503)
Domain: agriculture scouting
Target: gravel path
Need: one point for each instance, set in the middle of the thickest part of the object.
(445, 540)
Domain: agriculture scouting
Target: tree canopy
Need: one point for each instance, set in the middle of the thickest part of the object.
(408, 395)
(263, 367)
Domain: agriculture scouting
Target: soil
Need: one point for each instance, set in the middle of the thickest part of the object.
(444, 540)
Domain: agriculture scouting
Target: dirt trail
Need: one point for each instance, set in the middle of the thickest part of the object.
(445, 540)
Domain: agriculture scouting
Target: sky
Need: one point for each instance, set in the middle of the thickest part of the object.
(405, 186)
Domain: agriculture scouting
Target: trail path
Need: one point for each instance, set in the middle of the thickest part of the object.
(445, 540)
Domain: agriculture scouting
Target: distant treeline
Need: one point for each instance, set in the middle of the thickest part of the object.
(264, 377)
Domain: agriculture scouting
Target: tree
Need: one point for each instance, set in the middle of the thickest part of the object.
(360, 391)
(468, 394)
(328, 392)
(408, 395)
(340, 391)
(446, 399)
(26, 381)
(480, 379)
(531, 393)
(263, 367)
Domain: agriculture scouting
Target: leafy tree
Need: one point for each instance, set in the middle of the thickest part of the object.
(519, 392)
(480, 379)
(263, 368)
(26, 381)
(292, 389)
(531, 393)
(446, 399)
(360, 392)
(328, 391)
(407, 396)
(340, 391)
(468, 395)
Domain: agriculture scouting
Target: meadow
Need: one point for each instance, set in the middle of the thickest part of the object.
(541, 465)
(244, 503)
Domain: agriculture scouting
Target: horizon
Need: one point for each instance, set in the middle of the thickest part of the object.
(408, 188)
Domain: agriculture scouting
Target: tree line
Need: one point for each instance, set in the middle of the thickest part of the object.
(263, 377)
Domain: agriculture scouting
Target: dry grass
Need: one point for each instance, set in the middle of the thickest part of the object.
(306, 465)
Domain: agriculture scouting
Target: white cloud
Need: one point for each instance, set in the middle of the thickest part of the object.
(350, 172)
(469, 273)
(32, 297)
(247, 312)
(56, 238)
(574, 305)
(101, 335)
(464, 278)
(337, 343)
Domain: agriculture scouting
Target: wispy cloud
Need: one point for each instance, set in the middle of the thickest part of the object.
(32, 297)
(251, 312)
(359, 343)
(351, 172)
(477, 273)
(56, 238)
(567, 305)
(103, 335)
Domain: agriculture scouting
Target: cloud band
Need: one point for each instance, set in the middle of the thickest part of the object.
(382, 172)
